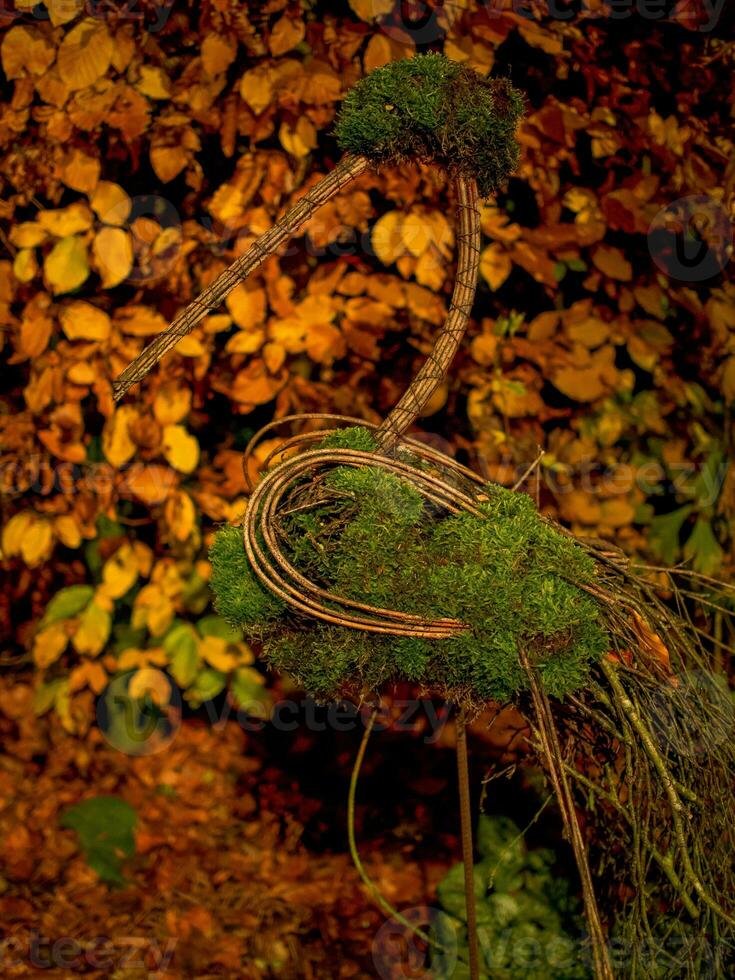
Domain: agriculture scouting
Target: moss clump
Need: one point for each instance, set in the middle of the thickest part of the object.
(510, 576)
(433, 109)
(238, 595)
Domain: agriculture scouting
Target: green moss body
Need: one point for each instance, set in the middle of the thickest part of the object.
(510, 576)
(433, 109)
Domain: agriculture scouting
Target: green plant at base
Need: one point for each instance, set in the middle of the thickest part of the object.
(529, 923)
(369, 536)
(433, 109)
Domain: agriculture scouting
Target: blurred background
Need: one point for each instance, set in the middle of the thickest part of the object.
(143, 147)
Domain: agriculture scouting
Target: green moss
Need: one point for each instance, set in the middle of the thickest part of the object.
(433, 109)
(355, 437)
(509, 575)
(239, 596)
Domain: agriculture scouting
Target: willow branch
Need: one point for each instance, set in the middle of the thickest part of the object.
(434, 370)
(213, 296)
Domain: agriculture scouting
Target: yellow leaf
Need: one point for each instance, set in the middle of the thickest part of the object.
(180, 515)
(416, 234)
(149, 683)
(37, 542)
(62, 706)
(431, 269)
(85, 53)
(378, 52)
(67, 531)
(62, 11)
(286, 34)
(590, 331)
(110, 203)
(25, 265)
(300, 139)
(154, 609)
(151, 484)
(25, 50)
(117, 445)
(66, 221)
(82, 321)
(369, 10)
(495, 265)
(246, 305)
(191, 346)
(140, 321)
(245, 342)
(88, 674)
(15, 531)
(180, 448)
(172, 403)
(92, 631)
(386, 237)
(227, 203)
(35, 331)
(324, 343)
(256, 88)
(154, 82)
(727, 384)
(168, 161)
(49, 644)
(66, 266)
(218, 53)
(612, 262)
(254, 386)
(28, 234)
(113, 256)
(82, 373)
(218, 653)
(80, 172)
(120, 572)
(274, 356)
(581, 384)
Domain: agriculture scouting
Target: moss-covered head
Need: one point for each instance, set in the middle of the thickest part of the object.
(436, 110)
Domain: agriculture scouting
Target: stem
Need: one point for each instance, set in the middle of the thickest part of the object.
(211, 299)
(435, 368)
(555, 762)
(465, 812)
(381, 902)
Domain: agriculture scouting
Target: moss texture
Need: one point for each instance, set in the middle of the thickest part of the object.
(511, 577)
(433, 109)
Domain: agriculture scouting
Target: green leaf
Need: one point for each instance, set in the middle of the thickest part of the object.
(664, 532)
(709, 482)
(703, 548)
(66, 603)
(207, 685)
(248, 686)
(217, 626)
(45, 695)
(104, 825)
(180, 643)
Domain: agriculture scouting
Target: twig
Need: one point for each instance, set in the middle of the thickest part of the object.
(468, 859)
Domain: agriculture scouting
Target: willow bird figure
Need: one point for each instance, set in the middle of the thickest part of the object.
(366, 557)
